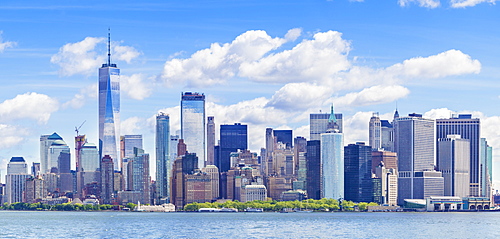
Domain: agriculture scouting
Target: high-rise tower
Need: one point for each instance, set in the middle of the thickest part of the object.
(332, 160)
(193, 124)
(163, 165)
(109, 109)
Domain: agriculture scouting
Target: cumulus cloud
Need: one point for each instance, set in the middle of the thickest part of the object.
(79, 100)
(11, 135)
(32, 105)
(372, 96)
(218, 63)
(82, 57)
(136, 86)
(448, 63)
(297, 96)
(132, 125)
(5, 44)
(421, 3)
(469, 3)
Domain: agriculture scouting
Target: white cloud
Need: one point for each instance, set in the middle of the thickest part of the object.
(132, 125)
(469, 3)
(82, 57)
(218, 63)
(421, 3)
(311, 60)
(135, 86)
(28, 106)
(372, 96)
(124, 53)
(79, 99)
(448, 63)
(11, 135)
(299, 96)
(6, 44)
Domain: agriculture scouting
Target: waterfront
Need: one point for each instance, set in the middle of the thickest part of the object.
(248, 225)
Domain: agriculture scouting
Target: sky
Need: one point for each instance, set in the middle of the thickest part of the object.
(261, 63)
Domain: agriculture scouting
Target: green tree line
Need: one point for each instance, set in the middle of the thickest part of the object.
(275, 206)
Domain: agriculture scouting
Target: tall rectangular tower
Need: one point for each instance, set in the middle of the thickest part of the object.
(163, 165)
(193, 124)
(357, 170)
(468, 128)
(318, 123)
(415, 146)
(453, 162)
(232, 138)
(109, 110)
(210, 140)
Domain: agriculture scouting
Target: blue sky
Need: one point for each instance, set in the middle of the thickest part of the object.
(263, 63)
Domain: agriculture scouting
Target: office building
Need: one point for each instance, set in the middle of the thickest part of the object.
(109, 111)
(415, 147)
(332, 160)
(213, 172)
(210, 140)
(375, 132)
(387, 130)
(45, 142)
(453, 163)
(163, 165)
(35, 169)
(193, 124)
(313, 164)
(89, 169)
(232, 138)
(128, 143)
(318, 123)
(389, 184)
(358, 173)
(254, 192)
(107, 179)
(15, 180)
(284, 136)
(390, 159)
(35, 189)
(486, 167)
(468, 128)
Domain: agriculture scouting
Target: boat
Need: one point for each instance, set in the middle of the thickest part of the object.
(254, 210)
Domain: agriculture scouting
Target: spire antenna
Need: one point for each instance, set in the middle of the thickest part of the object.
(109, 47)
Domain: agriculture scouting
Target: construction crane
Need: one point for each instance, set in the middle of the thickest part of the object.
(78, 128)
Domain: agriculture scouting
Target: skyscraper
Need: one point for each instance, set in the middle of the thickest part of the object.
(357, 172)
(89, 167)
(107, 179)
(45, 142)
(129, 143)
(284, 136)
(313, 165)
(109, 110)
(375, 132)
(318, 123)
(15, 180)
(163, 156)
(210, 141)
(332, 160)
(486, 160)
(468, 128)
(232, 138)
(193, 124)
(415, 146)
(453, 162)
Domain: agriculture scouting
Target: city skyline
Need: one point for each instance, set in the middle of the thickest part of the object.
(429, 59)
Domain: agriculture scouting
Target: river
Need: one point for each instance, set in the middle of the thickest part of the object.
(48, 224)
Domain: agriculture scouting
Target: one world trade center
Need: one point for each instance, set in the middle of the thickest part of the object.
(109, 110)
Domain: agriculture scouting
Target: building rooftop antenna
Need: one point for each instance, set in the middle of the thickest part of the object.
(109, 47)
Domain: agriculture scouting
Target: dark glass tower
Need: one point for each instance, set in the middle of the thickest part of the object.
(313, 158)
(284, 136)
(357, 170)
(232, 138)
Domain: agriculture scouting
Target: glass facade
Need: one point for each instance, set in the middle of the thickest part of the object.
(193, 124)
(89, 158)
(109, 112)
(467, 128)
(332, 165)
(232, 138)
(163, 165)
(319, 124)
